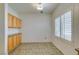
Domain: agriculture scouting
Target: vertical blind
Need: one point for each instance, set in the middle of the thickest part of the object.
(63, 26)
(57, 27)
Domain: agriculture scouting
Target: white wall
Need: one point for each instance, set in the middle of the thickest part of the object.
(12, 11)
(65, 46)
(76, 26)
(36, 27)
(2, 39)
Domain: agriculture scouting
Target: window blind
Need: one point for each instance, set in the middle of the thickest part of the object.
(63, 26)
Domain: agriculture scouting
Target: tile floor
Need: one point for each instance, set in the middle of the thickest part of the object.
(37, 49)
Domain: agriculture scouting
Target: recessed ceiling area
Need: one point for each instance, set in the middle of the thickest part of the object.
(29, 8)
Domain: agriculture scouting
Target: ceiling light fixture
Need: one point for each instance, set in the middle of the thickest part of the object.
(39, 7)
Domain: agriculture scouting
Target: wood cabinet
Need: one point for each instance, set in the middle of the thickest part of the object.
(14, 22)
(10, 20)
(14, 40)
(19, 38)
(10, 44)
(18, 23)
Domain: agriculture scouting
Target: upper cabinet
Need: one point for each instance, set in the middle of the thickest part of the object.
(10, 20)
(14, 22)
(18, 23)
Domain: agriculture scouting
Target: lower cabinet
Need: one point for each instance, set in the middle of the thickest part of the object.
(18, 39)
(10, 44)
(14, 41)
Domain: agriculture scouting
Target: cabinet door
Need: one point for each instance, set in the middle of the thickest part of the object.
(10, 43)
(14, 22)
(20, 38)
(10, 20)
(20, 23)
(17, 22)
(14, 41)
(17, 39)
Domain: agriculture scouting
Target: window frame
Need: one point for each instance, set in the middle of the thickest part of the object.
(70, 17)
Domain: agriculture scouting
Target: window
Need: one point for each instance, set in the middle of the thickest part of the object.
(67, 23)
(63, 26)
(57, 27)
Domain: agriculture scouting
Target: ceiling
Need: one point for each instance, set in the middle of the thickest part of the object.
(29, 8)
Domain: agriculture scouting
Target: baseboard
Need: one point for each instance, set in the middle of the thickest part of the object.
(57, 48)
(35, 42)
